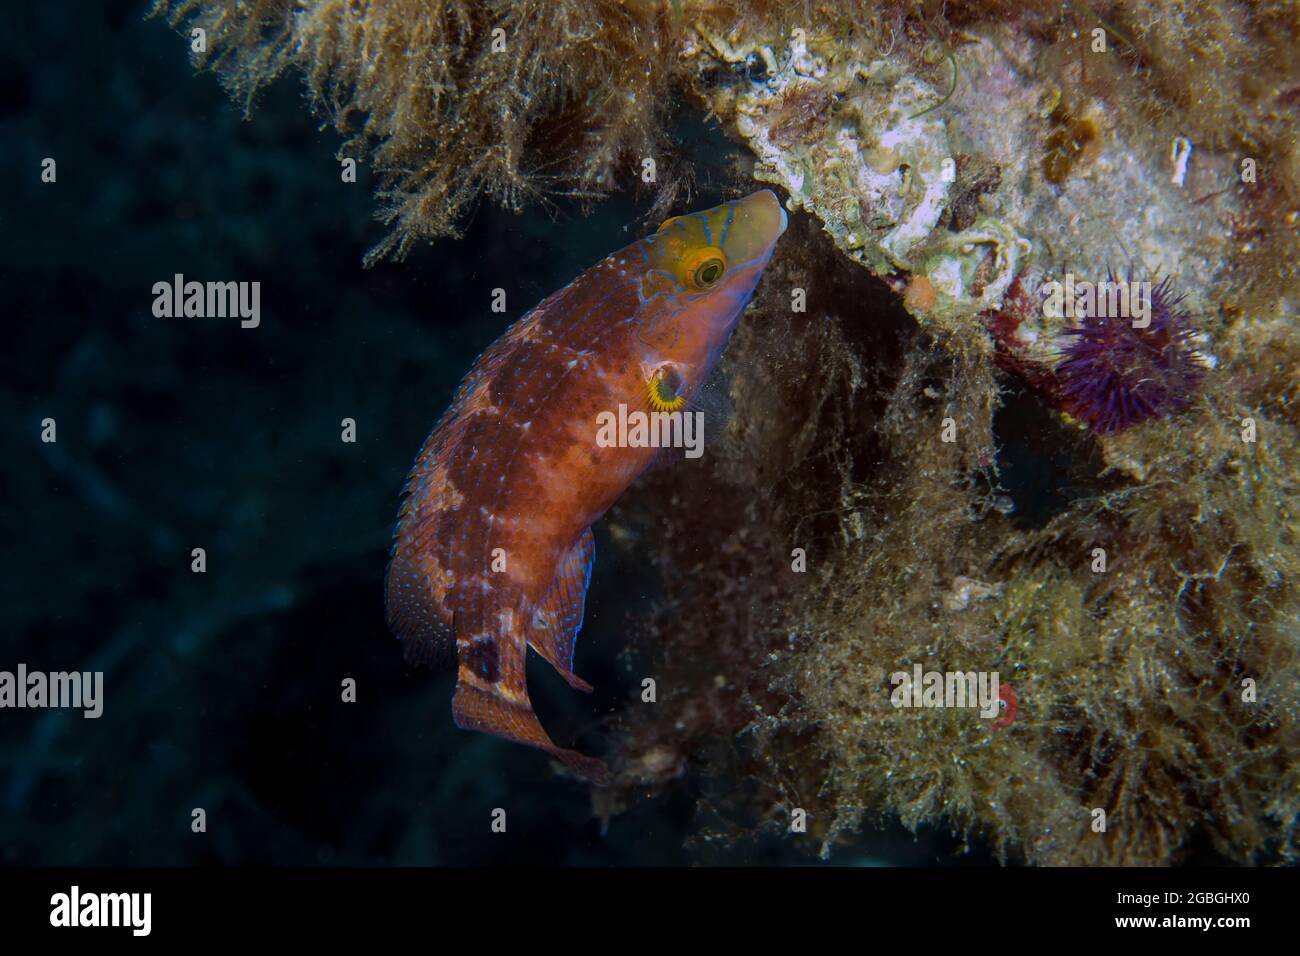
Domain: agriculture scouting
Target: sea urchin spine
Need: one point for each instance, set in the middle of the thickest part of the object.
(1114, 373)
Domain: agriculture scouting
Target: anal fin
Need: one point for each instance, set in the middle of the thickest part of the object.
(557, 620)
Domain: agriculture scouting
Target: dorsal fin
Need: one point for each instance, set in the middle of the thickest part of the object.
(558, 618)
(416, 615)
(417, 586)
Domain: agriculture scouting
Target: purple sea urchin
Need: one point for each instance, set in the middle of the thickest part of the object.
(1115, 374)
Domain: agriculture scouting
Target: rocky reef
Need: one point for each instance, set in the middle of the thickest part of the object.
(899, 413)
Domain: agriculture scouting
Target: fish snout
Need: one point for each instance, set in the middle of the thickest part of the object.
(758, 221)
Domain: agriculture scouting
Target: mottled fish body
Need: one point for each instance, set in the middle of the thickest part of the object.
(493, 547)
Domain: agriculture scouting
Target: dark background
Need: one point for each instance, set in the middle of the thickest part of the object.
(222, 690)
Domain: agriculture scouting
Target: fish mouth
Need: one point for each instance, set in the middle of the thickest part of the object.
(757, 221)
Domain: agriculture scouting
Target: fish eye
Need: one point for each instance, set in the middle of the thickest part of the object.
(708, 273)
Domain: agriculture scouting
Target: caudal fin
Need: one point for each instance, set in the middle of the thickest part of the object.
(510, 715)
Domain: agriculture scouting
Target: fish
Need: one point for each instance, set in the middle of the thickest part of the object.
(493, 549)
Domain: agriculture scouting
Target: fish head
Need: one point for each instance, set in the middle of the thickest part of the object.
(700, 271)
